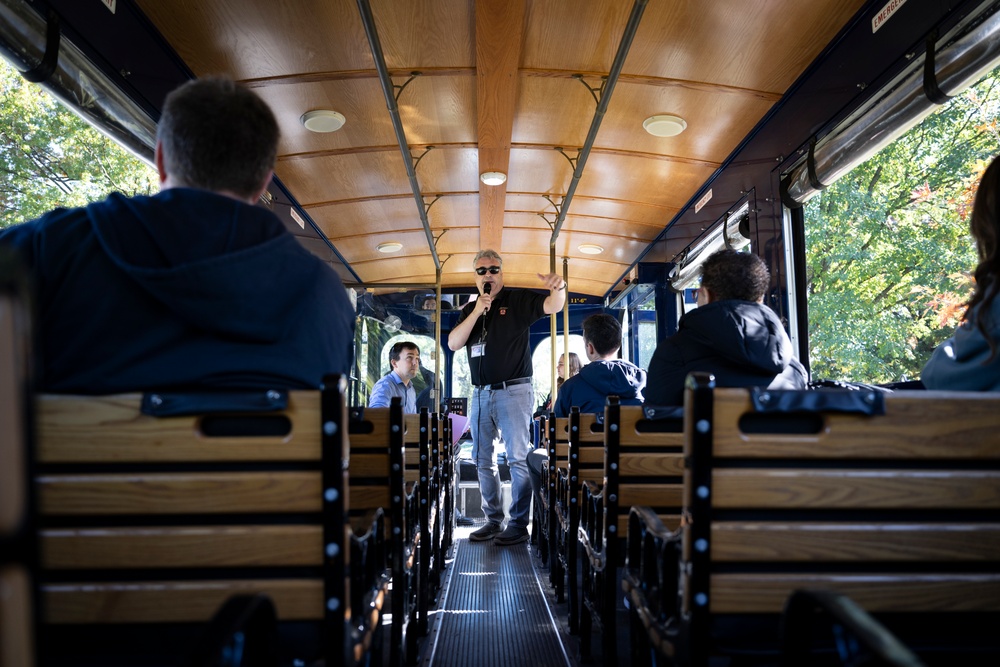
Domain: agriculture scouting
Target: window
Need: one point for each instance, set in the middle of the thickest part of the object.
(888, 251)
(541, 363)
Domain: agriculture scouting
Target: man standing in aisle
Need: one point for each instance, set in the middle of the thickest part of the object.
(494, 331)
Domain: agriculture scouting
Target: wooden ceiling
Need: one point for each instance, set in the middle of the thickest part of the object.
(504, 85)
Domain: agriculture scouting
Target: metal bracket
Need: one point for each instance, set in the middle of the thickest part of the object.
(420, 157)
(596, 93)
(550, 223)
(557, 207)
(399, 89)
(438, 238)
(572, 160)
(427, 207)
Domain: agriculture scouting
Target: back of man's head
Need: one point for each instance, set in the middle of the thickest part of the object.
(218, 136)
(604, 332)
(730, 274)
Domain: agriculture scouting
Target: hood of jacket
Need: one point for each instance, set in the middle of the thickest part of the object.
(615, 377)
(210, 259)
(745, 333)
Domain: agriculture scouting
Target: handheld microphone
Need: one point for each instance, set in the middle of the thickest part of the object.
(487, 288)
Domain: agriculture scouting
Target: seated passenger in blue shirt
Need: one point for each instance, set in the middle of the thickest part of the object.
(970, 360)
(404, 358)
(196, 286)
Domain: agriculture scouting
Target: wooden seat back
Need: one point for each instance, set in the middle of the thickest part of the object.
(18, 545)
(641, 464)
(150, 520)
(898, 509)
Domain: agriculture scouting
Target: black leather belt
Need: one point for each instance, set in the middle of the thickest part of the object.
(504, 385)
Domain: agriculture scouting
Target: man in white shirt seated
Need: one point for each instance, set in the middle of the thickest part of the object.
(404, 358)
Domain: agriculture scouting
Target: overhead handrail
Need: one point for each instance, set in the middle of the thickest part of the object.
(397, 123)
(30, 42)
(952, 67)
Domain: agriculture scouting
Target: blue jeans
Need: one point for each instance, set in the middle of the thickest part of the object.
(505, 413)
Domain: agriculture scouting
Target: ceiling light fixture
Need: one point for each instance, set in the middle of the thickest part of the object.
(322, 120)
(664, 126)
(493, 177)
(389, 246)
(590, 249)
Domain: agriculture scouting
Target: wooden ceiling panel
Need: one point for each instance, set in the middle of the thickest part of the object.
(437, 109)
(363, 248)
(425, 33)
(753, 44)
(538, 172)
(717, 122)
(374, 216)
(448, 170)
(637, 179)
(249, 39)
(338, 177)
(575, 35)
(638, 212)
(354, 98)
(553, 111)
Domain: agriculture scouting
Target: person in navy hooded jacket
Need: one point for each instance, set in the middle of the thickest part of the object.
(196, 286)
(605, 375)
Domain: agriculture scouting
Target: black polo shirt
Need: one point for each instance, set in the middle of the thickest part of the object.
(507, 355)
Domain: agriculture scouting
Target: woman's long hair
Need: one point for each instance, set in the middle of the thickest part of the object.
(985, 227)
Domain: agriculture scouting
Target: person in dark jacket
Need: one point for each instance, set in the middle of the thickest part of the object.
(731, 334)
(605, 375)
(196, 286)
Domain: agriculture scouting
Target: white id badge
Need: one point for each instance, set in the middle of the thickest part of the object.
(478, 350)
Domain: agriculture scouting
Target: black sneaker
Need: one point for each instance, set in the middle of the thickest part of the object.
(485, 533)
(511, 535)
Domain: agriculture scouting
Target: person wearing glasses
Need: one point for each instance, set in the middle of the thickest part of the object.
(494, 331)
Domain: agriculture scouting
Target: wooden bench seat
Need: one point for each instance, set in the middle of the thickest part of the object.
(151, 521)
(642, 465)
(576, 455)
(890, 499)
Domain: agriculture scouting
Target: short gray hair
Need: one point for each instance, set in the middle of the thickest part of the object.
(487, 254)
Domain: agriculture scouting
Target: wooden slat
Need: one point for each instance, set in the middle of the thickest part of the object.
(767, 593)
(179, 493)
(16, 617)
(185, 546)
(368, 497)
(174, 601)
(629, 433)
(892, 542)
(652, 495)
(13, 490)
(666, 465)
(76, 429)
(369, 465)
(924, 425)
(855, 489)
(377, 430)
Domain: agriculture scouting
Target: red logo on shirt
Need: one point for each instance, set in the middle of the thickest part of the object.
(503, 311)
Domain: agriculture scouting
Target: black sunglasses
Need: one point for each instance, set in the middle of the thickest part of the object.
(481, 270)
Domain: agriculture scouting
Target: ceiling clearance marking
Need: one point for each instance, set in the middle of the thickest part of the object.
(885, 14)
(704, 200)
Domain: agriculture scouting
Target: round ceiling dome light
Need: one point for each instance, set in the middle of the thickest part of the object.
(590, 249)
(493, 177)
(664, 126)
(322, 120)
(389, 246)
